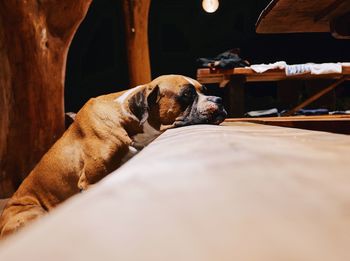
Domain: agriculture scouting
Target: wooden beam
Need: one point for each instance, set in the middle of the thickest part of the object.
(136, 28)
(34, 40)
(316, 96)
(328, 10)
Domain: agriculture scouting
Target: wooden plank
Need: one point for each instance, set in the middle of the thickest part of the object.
(297, 118)
(329, 123)
(235, 192)
(331, 7)
(208, 76)
(289, 16)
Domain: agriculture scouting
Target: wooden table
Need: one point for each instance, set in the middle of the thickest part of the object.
(235, 79)
(290, 16)
(236, 192)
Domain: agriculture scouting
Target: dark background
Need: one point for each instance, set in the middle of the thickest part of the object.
(180, 32)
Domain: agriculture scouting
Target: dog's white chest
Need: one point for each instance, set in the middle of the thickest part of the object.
(149, 134)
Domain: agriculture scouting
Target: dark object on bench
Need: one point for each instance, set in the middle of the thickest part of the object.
(226, 60)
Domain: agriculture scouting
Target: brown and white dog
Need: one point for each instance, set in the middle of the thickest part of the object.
(106, 132)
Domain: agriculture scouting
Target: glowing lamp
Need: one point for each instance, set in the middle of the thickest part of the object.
(210, 6)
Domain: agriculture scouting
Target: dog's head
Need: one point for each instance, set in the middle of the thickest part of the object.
(176, 100)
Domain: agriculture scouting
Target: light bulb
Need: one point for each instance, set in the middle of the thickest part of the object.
(210, 6)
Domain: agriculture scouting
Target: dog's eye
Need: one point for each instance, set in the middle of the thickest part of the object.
(187, 96)
(189, 93)
(204, 89)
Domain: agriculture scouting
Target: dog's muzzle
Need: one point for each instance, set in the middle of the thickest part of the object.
(207, 110)
(218, 113)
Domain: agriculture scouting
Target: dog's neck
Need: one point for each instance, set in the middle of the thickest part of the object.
(143, 128)
(148, 134)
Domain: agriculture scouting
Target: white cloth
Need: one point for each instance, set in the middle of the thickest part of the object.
(314, 68)
(295, 69)
(260, 68)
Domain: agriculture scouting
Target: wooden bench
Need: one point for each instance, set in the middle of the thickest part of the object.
(235, 79)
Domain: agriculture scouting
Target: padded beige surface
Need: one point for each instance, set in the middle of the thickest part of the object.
(239, 192)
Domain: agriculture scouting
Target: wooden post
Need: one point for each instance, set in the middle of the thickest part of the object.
(236, 95)
(34, 39)
(136, 28)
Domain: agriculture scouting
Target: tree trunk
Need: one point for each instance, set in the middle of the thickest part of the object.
(34, 39)
(136, 27)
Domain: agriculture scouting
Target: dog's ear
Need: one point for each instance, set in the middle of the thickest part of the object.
(138, 106)
(140, 102)
(153, 96)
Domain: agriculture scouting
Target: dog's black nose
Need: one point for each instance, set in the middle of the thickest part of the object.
(215, 99)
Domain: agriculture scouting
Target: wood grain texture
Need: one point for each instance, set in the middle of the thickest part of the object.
(235, 192)
(34, 39)
(287, 16)
(136, 27)
(208, 76)
(330, 123)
